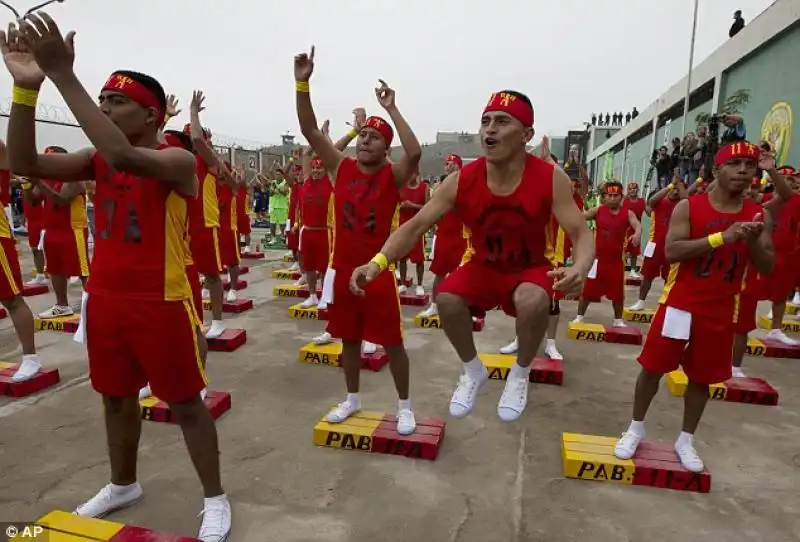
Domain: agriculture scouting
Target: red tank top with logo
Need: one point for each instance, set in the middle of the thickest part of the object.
(365, 212)
(63, 217)
(610, 232)
(414, 195)
(508, 233)
(707, 285)
(315, 197)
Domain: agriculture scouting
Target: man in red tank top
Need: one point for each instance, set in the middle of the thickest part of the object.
(607, 277)
(366, 195)
(33, 207)
(506, 200)
(449, 243)
(660, 206)
(229, 250)
(636, 204)
(413, 196)
(314, 197)
(243, 212)
(141, 194)
(11, 278)
(711, 238)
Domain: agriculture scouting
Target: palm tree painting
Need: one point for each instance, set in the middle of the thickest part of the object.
(733, 105)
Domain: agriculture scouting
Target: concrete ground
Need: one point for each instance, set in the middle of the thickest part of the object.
(492, 481)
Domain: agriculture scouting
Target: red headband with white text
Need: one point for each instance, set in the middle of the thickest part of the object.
(136, 92)
(513, 105)
(383, 128)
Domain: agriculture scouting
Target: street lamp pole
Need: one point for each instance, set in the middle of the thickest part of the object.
(689, 74)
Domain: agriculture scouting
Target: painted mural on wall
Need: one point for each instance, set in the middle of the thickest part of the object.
(777, 130)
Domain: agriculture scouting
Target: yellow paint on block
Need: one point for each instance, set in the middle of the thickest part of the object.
(432, 322)
(644, 316)
(54, 324)
(589, 457)
(755, 347)
(321, 354)
(288, 258)
(354, 434)
(677, 382)
(498, 364)
(789, 325)
(791, 308)
(149, 402)
(64, 522)
(283, 274)
(7, 365)
(586, 332)
(299, 313)
(286, 290)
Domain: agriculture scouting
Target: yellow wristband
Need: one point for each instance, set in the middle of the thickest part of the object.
(353, 133)
(301, 86)
(381, 261)
(671, 186)
(716, 240)
(24, 96)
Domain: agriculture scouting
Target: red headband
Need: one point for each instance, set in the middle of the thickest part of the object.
(612, 188)
(316, 163)
(136, 92)
(383, 128)
(513, 105)
(456, 159)
(787, 171)
(741, 149)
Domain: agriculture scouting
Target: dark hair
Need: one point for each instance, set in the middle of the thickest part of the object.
(56, 148)
(185, 140)
(149, 83)
(521, 96)
(612, 183)
(554, 157)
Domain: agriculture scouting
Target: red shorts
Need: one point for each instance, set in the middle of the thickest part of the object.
(10, 275)
(375, 317)
(417, 254)
(609, 282)
(746, 314)
(782, 280)
(204, 244)
(630, 248)
(292, 240)
(314, 249)
(448, 252)
(243, 224)
(484, 288)
(655, 266)
(67, 252)
(34, 235)
(197, 294)
(229, 251)
(707, 357)
(155, 344)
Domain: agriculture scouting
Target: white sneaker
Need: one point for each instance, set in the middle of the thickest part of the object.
(634, 275)
(737, 372)
(419, 291)
(796, 298)
(552, 352)
(294, 267)
(406, 423)
(302, 281)
(322, 306)
(309, 302)
(780, 336)
(108, 500)
(217, 328)
(205, 294)
(369, 348)
(431, 311)
(463, 400)
(402, 289)
(216, 524)
(627, 445)
(30, 367)
(56, 311)
(578, 320)
(342, 412)
(74, 280)
(397, 274)
(37, 280)
(514, 399)
(618, 322)
(322, 338)
(510, 348)
(203, 394)
(638, 306)
(689, 458)
(145, 392)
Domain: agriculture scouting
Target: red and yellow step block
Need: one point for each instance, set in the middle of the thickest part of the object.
(291, 290)
(771, 349)
(66, 527)
(310, 313)
(543, 370)
(240, 285)
(376, 432)
(789, 325)
(62, 324)
(29, 290)
(754, 391)
(285, 274)
(644, 316)
(155, 410)
(231, 307)
(255, 255)
(288, 258)
(330, 355)
(434, 322)
(605, 334)
(230, 340)
(45, 378)
(655, 464)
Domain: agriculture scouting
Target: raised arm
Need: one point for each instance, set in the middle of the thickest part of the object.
(198, 135)
(412, 152)
(331, 157)
(573, 222)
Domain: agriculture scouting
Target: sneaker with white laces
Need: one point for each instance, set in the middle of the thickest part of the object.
(431, 311)
(780, 336)
(638, 306)
(205, 294)
(511, 348)
(737, 372)
(369, 348)
(627, 445)
(56, 311)
(109, 499)
(551, 351)
(796, 298)
(302, 281)
(419, 291)
(216, 524)
(634, 274)
(145, 392)
(322, 338)
(514, 399)
(618, 322)
(309, 302)
(231, 296)
(689, 458)
(203, 394)
(463, 400)
(406, 423)
(30, 367)
(402, 289)
(578, 320)
(322, 306)
(342, 412)
(294, 267)
(74, 280)
(216, 330)
(37, 280)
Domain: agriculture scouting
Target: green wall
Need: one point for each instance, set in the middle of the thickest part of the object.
(773, 78)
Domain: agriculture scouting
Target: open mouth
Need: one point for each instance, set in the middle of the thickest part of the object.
(490, 142)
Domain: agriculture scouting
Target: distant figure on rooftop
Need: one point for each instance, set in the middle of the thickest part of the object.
(738, 23)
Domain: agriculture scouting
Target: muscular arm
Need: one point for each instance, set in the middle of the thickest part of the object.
(344, 141)
(762, 253)
(406, 236)
(679, 246)
(589, 214)
(64, 196)
(331, 156)
(412, 152)
(573, 222)
(635, 224)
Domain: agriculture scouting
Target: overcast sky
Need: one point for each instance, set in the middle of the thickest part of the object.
(443, 57)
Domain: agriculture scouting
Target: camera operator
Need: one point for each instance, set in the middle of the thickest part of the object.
(663, 164)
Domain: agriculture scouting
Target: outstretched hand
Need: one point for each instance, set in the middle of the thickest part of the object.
(54, 53)
(304, 66)
(172, 106)
(198, 99)
(385, 95)
(567, 280)
(362, 276)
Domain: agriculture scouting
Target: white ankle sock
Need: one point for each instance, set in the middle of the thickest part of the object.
(519, 372)
(218, 498)
(404, 404)
(354, 399)
(637, 427)
(684, 438)
(32, 357)
(122, 490)
(474, 369)
(551, 343)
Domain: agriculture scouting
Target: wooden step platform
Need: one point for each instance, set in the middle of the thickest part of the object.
(63, 324)
(231, 307)
(65, 527)
(644, 316)
(230, 340)
(434, 322)
(285, 274)
(330, 355)
(156, 410)
(543, 370)
(45, 378)
(789, 325)
(754, 391)
(608, 334)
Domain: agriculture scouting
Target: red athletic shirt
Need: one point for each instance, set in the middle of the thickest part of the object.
(294, 194)
(5, 187)
(315, 198)
(610, 232)
(660, 216)
(707, 285)
(141, 230)
(365, 213)
(63, 217)
(198, 210)
(753, 282)
(242, 197)
(34, 213)
(562, 244)
(508, 233)
(414, 195)
(636, 205)
(786, 227)
(227, 208)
